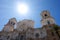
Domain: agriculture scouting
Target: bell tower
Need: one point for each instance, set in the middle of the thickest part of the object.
(48, 23)
(47, 18)
(10, 25)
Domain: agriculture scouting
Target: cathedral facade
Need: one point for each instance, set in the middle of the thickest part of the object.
(25, 29)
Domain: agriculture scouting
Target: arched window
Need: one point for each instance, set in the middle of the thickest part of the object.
(21, 38)
(48, 22)
(52, 33)
(37, 35)
(8, 37)
(1, 39)
(0, 36)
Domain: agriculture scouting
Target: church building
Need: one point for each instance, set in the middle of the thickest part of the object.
(25, 29)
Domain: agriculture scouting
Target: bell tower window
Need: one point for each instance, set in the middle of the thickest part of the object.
(12, 23)
(45, 15)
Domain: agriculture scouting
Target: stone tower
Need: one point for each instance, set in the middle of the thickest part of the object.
(47, 18)
(10, 25)
(48, 23)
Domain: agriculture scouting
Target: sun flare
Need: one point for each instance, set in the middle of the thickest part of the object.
(22, 8)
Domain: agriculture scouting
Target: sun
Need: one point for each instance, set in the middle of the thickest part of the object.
(22, 8)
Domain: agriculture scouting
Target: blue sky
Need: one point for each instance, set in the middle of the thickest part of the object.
(8, 10)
